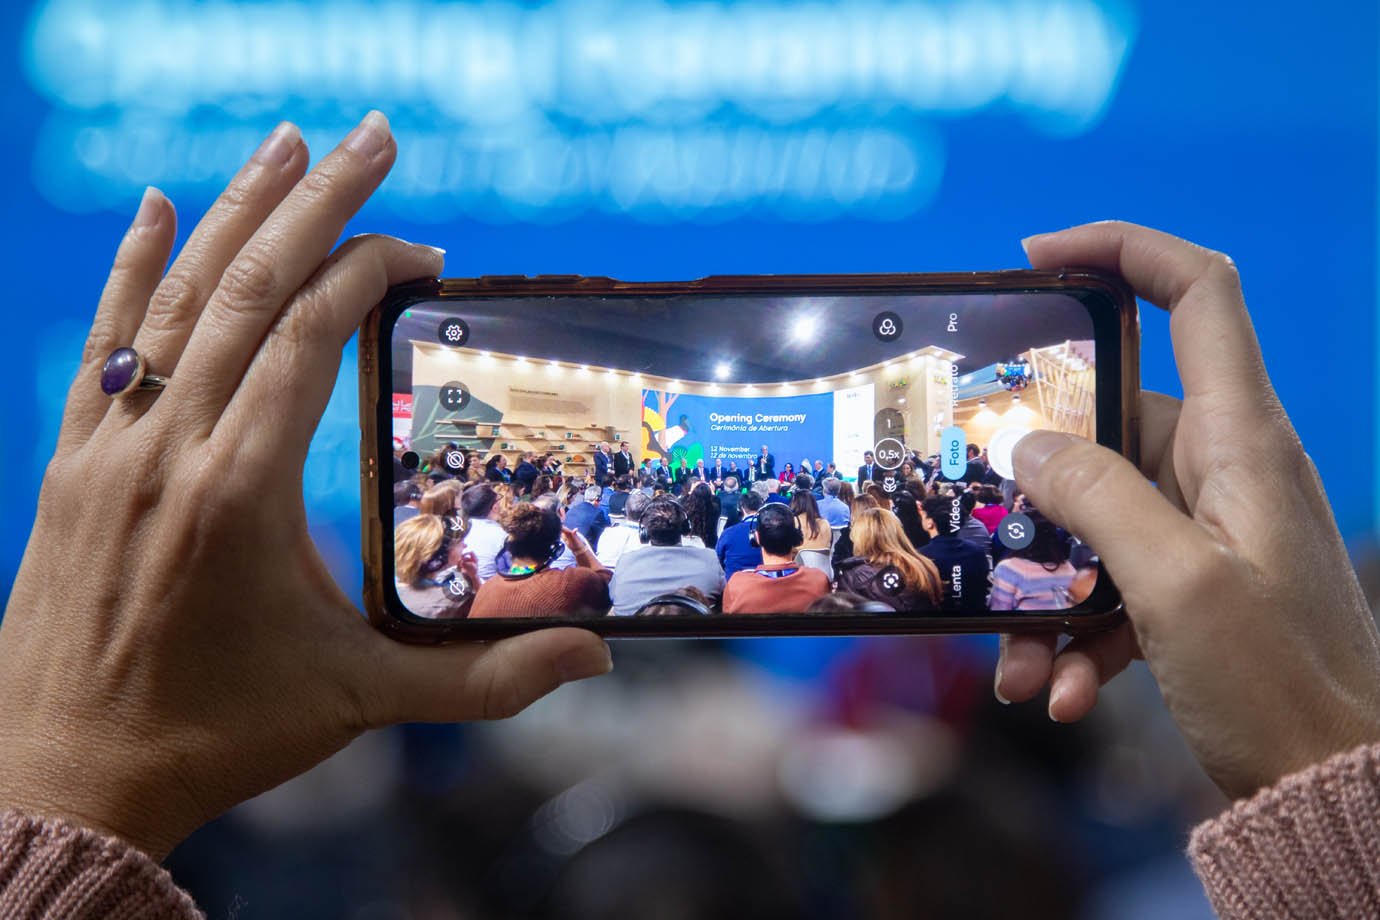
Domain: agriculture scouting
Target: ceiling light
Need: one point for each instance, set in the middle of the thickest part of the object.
(805, 330)
(722, 370)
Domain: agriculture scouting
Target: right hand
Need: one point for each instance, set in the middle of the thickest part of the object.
(1237, 585)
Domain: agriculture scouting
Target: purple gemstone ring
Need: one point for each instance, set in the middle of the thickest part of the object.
(124, 372)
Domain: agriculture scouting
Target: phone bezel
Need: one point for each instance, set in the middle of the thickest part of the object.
(1116, 332)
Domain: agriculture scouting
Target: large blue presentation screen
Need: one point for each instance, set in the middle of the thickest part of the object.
(735, 428)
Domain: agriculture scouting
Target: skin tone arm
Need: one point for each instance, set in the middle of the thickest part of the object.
(1238, 589)
(584, 555)
(205, 654)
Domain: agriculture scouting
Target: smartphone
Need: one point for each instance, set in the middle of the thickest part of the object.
(734, 455)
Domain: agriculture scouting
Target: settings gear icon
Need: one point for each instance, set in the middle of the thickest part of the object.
(453, 331)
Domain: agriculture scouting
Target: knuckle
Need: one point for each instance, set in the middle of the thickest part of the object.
(176, 299)
(1082, 475)
(502, 696)
(251, 278)
(324, 180)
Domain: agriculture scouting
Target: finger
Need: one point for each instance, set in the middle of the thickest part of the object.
(250, 197)
(1096, 494)
(289, 383)
(1084, 665)
(1023, 666)
(1159, 419)
(1214, 342)
(473, 681)
(278, 259)
(139, 263)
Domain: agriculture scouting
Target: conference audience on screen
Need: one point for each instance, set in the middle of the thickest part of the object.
(687, 601)
(482, 509)
(780, 584)
(963, 564)
(730, 499)
(662, 564)
(973, 529)
(525, 473)
(586, 515)
(616, 498)
(887, 568)
(530, 586)
(1038, 577)
(906, 506)
(623, 536)
(819, 536)
(407, 501)
(831, 507)
(735, 548)
(988, 507)
(434, 573)
(703, 508)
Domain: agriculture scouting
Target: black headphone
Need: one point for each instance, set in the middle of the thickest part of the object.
(675, 599)
(645, 535)
(504, 560)
(797, 535)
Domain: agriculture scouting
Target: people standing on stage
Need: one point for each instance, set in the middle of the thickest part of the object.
(623, 460)
(869, 471)
(729, 501)
(601, 463)
(764, 467)
(779, 584)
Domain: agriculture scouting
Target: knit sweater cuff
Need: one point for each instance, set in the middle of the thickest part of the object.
(1304, 847)
(51, 869)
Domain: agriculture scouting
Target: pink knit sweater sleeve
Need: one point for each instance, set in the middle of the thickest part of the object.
(1309, 846)
(52, 869)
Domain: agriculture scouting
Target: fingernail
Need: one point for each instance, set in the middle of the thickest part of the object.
(150, 210)
(437, 250)
(1029, 454)
(586, 661)
(278, 147)
(370, 136)
(1025, 243)
(1056, 693)
(996, 679)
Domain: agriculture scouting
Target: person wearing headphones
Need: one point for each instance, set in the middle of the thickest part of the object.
(663, 565)
(529, 586)
(779, 584)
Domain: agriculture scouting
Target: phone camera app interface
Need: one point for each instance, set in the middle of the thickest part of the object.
(714, 455)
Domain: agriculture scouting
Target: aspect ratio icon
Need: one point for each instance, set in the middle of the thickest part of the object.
(454, 396)
(453, 331)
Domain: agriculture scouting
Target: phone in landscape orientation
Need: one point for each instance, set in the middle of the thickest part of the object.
(735, 455)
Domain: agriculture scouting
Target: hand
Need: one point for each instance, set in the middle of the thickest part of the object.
(178, 646)
(1235, 579)
(574, 540)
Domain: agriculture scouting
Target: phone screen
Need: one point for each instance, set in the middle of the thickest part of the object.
(724, 455)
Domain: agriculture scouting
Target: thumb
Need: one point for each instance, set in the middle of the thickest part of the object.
(1101, 497)
(461, 683)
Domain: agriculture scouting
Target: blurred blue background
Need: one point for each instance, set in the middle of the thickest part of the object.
(650, 140)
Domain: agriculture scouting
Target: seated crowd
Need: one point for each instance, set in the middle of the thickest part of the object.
(469, 544)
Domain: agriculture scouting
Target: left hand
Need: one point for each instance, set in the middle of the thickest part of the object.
(178, 646)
